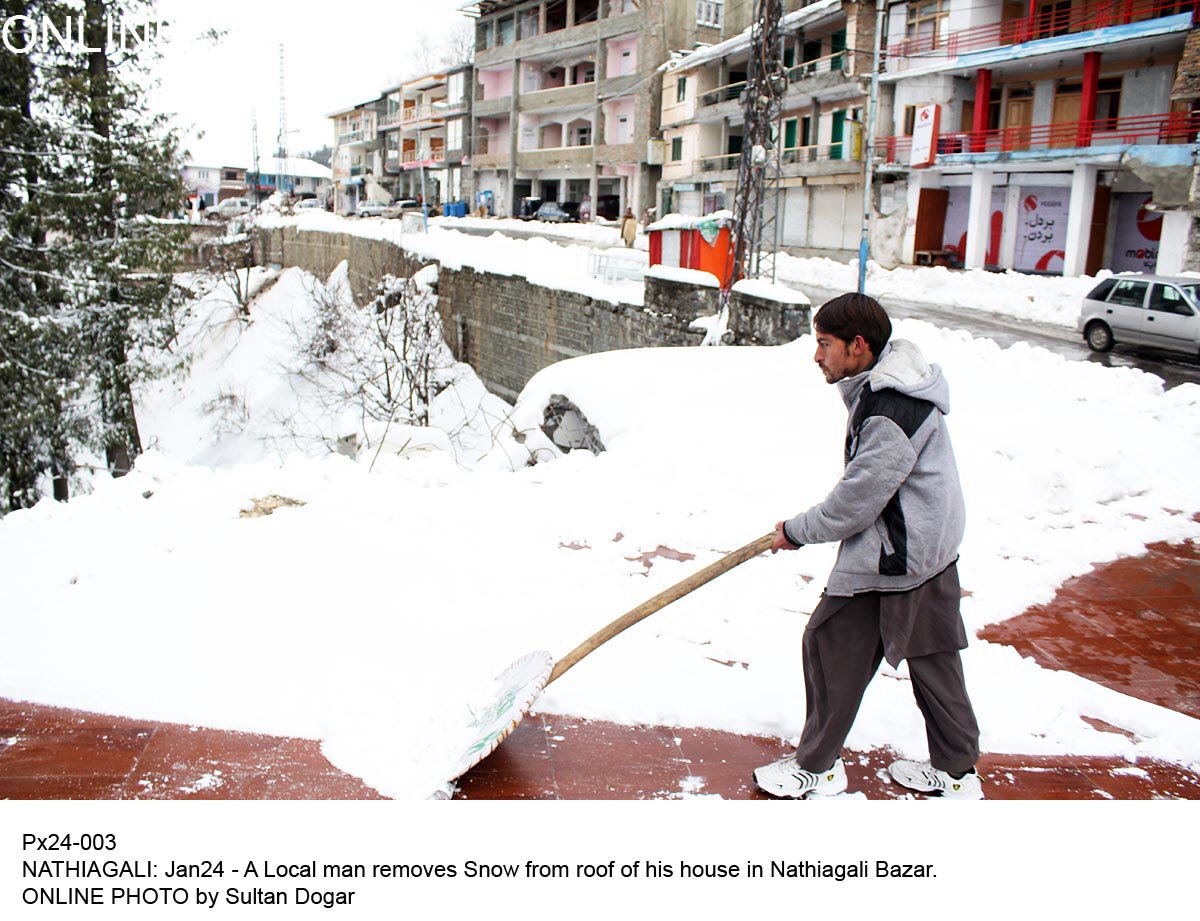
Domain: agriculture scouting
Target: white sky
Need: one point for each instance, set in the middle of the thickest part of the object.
(337, 54)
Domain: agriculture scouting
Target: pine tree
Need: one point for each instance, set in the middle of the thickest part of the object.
(86, 261)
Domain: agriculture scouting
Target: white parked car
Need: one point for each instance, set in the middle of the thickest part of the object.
(309, 204)
(1140, 309)
(230, 207)
(370, 208)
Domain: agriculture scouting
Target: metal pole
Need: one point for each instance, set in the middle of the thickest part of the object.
(869, 153)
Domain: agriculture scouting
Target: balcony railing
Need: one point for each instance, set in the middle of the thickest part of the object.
(349, 137)
(417, 113)
(1168, 128)
(846, 149)
(359, 170)
(426, 155)
(1046, 22)
(722, 93)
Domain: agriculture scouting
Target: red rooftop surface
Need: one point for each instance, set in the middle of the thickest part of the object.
(1132, 625)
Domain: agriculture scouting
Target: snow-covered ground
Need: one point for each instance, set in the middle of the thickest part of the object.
(373, 612)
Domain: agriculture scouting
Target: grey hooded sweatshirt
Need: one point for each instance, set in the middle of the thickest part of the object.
(898, 509)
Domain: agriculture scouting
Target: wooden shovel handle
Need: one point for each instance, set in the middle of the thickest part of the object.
(661, 600)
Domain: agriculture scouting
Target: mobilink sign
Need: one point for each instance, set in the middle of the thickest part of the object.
(29, 34)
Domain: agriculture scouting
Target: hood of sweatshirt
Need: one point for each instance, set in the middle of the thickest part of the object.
(902, 367)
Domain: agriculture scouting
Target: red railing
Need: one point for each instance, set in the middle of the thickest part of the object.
(1168, 128)
(1044, 23)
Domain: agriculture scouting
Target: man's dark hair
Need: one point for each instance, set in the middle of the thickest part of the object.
(850, 315)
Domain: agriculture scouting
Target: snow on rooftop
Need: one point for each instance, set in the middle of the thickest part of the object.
(686, 276)
(741, 41)
(674, 221)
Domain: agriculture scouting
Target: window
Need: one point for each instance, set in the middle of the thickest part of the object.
(789, 56)
(709, 13)
(910, 119)
(1108, 103)
(1128, 293)
(680, 89)
(454, 88)
(927, 23)
(583, 136)
(529, 23)
(454, 134)
(505, 30)
(676, 149)
(483, 35)
(1100, 292)
(1169, 300)
(203, 174)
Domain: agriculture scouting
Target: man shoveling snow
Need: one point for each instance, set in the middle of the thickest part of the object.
(893, 594)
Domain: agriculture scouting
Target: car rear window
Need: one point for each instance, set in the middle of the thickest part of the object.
(1128, 293)
(1100, 292)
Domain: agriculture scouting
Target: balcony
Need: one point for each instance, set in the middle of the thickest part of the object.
(558, 97)
(1046, 22)
(351, 137)
(483, 108)
(420, 113)
(630, 152)
(497, 160)
(1055, 140)
(555, 158)
(360, 170)
(722, 93)
(847, 151)
(423, 156)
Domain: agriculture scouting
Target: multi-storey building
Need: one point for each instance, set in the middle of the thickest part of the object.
(827, 51)
(1046, 136)
(425, 133)
(357, 163)
(566, 97)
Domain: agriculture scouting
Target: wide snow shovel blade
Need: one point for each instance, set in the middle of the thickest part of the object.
(522, 682)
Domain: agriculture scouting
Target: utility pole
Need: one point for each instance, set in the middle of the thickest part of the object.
(281, 152)
(254, 144)
(869, 153)
(756, 198)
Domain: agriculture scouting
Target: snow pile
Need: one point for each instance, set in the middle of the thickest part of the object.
(760, 287)
(254, 389)
(683, 276)
(1042, 298)
(593, 234)
(374, 603)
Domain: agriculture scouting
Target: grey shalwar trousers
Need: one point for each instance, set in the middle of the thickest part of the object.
(847, 638)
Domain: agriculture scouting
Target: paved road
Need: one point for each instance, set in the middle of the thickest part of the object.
(1173, 369)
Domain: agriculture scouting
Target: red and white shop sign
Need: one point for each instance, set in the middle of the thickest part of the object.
(925, 134)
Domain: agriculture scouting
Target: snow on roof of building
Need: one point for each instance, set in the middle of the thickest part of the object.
(741, 41)
(722, 218)
(295, 166)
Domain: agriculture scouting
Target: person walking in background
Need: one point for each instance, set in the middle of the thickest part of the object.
(628, 227)
(893, 594)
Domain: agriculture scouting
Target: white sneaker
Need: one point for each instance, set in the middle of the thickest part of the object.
(925, 778)
(786, 778)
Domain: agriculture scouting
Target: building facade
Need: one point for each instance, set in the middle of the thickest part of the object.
(566, 98)
(1054, 137)
(425, 136)
(357, 165)
(819, 142)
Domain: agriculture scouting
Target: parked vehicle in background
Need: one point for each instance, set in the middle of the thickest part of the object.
(230, 207)
(1140, 309)
(552, 212)
(572, 208)
(608, 207)
(370, 208)
(529, 207)
(309, 204)
(401, 205)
